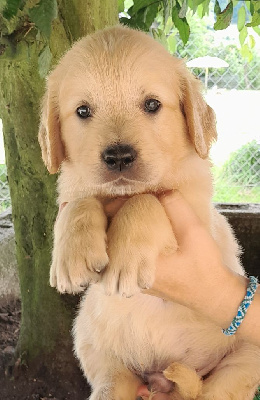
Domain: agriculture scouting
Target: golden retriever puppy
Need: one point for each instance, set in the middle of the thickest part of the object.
(122, 117)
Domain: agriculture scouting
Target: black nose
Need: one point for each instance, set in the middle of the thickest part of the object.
(119, 157)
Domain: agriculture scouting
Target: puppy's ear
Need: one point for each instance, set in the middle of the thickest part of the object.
(200, 118)
(49, 134)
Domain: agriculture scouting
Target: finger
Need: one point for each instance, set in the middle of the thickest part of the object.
(112, 206)
(183, 219)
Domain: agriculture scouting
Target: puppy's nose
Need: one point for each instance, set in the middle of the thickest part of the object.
(119, 157)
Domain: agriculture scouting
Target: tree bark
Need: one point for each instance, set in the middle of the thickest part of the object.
(45, 338)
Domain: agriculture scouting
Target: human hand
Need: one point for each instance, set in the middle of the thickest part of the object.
(195, 275)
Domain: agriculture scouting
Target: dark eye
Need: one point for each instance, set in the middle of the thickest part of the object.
(152, 105)
(84, 111)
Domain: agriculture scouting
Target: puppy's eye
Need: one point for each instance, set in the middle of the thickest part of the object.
(152, 105)
(84, 112)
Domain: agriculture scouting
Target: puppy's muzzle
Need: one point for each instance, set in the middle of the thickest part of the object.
(119, 157)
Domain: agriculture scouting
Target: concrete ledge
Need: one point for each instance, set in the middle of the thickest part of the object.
(245, 220)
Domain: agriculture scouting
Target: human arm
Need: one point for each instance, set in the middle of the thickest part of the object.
(196, 276)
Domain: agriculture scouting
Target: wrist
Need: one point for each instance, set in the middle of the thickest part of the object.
(243, 307)
(231, 292)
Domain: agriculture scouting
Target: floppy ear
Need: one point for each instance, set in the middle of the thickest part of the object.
(200, 118)
(49, 134)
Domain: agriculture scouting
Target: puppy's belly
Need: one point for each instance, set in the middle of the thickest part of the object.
(148, 333)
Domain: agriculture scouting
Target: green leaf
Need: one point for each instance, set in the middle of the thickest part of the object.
(168, 26)
(121, 6)
(246, 53)
(255, 19)
(257, 395)
(243, 35)
(142, 19)
(150, 14)
(203, 8)
(11, 8)
(167, 9)
(193, 4)
(217, 9)
(241, 18)
(140, 4)
(224, 17)
(44, 62)
(257, 29)
(172, 43)
(43, 14)
(160, 36)
(184, 9)
(181, 24)
(128, 4)
(251, 41)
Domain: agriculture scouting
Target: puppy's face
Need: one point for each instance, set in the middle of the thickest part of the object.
(121, 115)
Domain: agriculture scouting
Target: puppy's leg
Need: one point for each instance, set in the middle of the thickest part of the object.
(109, 379)
(79, 252)
(138, 233)
(236, 377)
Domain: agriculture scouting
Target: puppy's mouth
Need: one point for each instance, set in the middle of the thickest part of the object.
(122, 186)
(122, 181)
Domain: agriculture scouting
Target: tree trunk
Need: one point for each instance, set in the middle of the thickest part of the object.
(45, 338)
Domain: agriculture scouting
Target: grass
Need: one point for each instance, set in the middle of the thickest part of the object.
(228, 189)
(225, 193)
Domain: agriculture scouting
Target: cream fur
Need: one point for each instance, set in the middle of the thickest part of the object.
(118, 339)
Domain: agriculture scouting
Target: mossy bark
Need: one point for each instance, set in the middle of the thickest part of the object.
(46, 315)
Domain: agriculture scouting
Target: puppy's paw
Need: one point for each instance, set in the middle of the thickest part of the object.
(79, 253)
(130, 269)
(138, 233)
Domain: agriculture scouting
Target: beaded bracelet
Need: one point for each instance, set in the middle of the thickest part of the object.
(242, 309)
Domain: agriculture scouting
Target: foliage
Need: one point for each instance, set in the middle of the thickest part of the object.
(257, 396)
(202, 42)
(243, 165)
(239, 177)
(19, 17)
(155, 15)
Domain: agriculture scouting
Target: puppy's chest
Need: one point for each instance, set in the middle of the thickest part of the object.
(147, 334)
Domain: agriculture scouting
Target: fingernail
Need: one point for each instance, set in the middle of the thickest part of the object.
(166, 194)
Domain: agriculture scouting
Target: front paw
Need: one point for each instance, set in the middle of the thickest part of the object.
(131, 268)
(138, 233)
(79, 253)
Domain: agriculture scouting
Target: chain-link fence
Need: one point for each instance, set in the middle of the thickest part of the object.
(232, 88)
(233, 91)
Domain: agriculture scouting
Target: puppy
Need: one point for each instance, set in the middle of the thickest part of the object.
(122, 117)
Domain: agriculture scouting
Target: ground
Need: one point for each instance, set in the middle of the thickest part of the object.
(15, 381)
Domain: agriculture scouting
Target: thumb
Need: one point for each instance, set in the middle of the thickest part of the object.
(183, 219)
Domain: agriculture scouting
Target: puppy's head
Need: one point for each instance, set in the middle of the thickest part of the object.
(121, 114)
